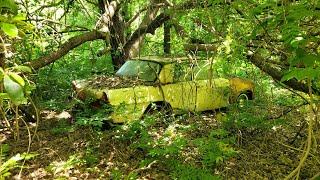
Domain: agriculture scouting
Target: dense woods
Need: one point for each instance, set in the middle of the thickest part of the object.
(49, 132)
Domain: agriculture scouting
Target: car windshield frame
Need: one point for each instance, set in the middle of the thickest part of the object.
(147, 71)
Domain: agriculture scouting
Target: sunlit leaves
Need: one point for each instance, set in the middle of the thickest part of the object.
(9, 29)
(15, 86)
(9, 5)
(14, 90)
(301, 74)
(304, 66)
(19, 17)
(24, 69)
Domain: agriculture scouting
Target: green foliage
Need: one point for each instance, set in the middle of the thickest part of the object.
(9, 5)
(182, 171)
(62, 128)
(10, 29)
(62, 166)
(169, 147)
(17, 88)
(215, 148)
(250, 117)
(54, 83)
(12, 163)
(91, 116)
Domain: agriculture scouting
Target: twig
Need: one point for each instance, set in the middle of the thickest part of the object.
(85, 8)
(300, 150)
(145, 168)
(37, 117)
(298, 133)
(286, 87)
(29, 145)
(315, 176)
(284, 112)
(142, 10)
(296, 171)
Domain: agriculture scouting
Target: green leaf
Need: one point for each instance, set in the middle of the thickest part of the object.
(289, 75)
(20, 17)
(17, 78)
(10, 5)
(14, 90)
(4, 96)
(25, 69)
(310, 59)
(9, 29)
(1, 73)
(301, 74)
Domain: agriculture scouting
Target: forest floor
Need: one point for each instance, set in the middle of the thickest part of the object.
(157, 149)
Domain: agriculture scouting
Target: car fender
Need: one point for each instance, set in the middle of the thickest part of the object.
(127, 112)
(239, 86)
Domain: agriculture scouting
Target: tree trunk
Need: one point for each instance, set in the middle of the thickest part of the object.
(166, 38)
(117, 40)
(140, 32)
(150, 16)
(2, 60)
(116, 27)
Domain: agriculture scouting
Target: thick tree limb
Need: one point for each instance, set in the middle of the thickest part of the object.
(200, 47)
(276, 73)
(140, 32)
(66, 47)
(148, 19)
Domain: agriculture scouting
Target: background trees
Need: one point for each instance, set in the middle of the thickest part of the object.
(275, 36)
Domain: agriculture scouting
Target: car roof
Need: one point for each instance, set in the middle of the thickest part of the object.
(166, 60)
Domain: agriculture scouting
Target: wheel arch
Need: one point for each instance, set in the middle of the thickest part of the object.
(157, 103)
(248, 92)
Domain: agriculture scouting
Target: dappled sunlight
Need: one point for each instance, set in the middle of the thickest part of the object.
(159, 89)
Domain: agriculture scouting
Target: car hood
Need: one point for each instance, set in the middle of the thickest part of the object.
(98, 86)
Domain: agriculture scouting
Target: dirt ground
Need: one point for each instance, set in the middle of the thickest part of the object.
(68, 152)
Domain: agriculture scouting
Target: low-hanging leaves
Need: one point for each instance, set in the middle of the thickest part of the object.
(14, 90)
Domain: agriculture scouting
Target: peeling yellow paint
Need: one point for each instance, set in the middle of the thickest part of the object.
(194, 95)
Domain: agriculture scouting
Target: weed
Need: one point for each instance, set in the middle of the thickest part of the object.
(182, 171)
(215, 148)
(87, 115)
(12, 163)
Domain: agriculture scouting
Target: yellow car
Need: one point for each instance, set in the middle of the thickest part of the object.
(175, 84)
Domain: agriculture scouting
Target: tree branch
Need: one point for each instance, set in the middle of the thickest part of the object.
(140, 32)
(277, 73)
(65, 48)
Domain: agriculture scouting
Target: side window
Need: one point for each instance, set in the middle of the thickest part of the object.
(203, 72)
(182, 72)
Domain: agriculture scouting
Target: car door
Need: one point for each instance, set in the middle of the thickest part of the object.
(181, 94)
(212, 93)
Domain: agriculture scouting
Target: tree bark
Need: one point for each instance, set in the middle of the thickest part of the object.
(117, 40)
(200, 47)
(137, 42)
(2, 60)
(276, 73)
(166, 38)
(66, 47)
(140, 32)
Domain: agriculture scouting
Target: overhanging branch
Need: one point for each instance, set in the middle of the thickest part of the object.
(66, 47)
(277, 73)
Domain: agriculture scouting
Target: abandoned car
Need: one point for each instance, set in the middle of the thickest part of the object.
(174, 84)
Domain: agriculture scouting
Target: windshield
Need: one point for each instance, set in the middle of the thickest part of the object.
(143, 70)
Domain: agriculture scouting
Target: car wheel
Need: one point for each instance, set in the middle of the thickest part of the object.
(162, 109)
(242, 100)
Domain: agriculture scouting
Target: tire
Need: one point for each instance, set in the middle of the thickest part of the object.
(242, 100)
(159, 108)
